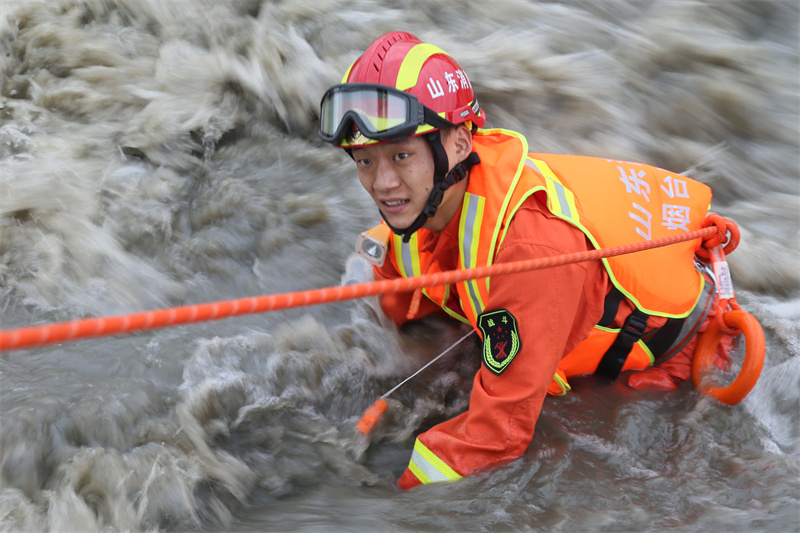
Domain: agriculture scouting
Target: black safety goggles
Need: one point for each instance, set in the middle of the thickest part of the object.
(378, 112)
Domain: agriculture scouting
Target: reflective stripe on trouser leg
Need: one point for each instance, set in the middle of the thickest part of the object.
(428, 468)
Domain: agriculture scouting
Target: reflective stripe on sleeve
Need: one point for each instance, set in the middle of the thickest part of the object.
(428, 468)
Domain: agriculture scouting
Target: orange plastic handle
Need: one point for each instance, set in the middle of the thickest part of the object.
(753, 357)
(371, 416)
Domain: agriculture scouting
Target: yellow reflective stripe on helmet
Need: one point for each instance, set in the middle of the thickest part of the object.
(407, 256)
(428, 468)
(559, 197)
(347, 74)
(408, 75)
(470, 228)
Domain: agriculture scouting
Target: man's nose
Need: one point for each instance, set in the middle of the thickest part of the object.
(386, 177)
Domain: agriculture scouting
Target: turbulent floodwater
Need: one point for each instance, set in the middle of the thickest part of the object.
(163, 152)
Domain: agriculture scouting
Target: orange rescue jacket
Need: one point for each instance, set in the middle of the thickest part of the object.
(611, 202)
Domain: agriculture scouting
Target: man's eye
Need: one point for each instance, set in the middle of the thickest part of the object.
(401, 155)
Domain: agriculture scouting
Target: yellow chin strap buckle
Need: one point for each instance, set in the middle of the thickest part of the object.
(373, 244)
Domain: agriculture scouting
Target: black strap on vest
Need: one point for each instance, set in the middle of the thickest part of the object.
(660, 340)
(665, 337)
(611, 307)
(613, 360)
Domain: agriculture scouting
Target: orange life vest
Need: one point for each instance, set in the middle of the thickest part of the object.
(612, 202)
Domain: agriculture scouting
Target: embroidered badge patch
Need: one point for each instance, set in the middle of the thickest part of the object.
(500, 339)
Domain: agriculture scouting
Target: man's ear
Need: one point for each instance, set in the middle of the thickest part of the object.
(462, 138)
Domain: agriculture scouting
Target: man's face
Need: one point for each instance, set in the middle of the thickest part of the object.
(399, 177)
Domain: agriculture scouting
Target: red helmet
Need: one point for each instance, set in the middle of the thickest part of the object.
(370, 100)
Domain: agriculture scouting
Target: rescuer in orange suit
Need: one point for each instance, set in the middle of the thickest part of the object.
(456, 196)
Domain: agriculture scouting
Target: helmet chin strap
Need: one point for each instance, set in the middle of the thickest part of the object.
(442, 180)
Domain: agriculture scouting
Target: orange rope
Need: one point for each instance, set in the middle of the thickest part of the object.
(44, 334)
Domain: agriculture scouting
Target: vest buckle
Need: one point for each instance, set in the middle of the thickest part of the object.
(614, 359)
(634, 328)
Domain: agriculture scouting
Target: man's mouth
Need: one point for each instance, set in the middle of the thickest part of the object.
(396, 203)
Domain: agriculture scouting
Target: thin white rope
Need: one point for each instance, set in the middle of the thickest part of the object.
(429, 363)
